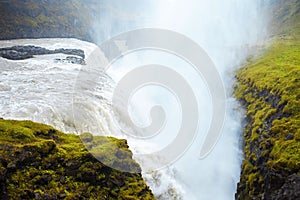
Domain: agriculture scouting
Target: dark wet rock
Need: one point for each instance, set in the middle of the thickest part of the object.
(289, 190)
(75, 52)
(14, 55)
(46, 19)
(262, 181)
(267, 88)
(31, 50)
(289, 137)
(25, 52)
(71, 59)
(39, 162)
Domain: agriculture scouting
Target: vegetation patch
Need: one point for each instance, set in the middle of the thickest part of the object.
(269, 87)
(40, 162)
(45, 19)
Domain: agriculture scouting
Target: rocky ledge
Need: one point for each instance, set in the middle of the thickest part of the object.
(25, 52)
(40, 162)
(268, 86)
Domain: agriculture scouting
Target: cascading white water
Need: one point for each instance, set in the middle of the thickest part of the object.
(227, 30)
(41, 90)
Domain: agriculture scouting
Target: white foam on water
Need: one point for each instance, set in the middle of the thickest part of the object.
(41, 90)
(226, 30)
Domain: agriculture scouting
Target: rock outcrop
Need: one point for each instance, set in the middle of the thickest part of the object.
(45, 19)
(39, 162)
(269, 88)
(25, 52)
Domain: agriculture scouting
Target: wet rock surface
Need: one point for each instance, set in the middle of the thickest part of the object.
(25, 52)
(268, 88)
(71, 59)
(39, 162)
(46, 19)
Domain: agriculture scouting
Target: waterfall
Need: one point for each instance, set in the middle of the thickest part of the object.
(227, 30)
(43, 91)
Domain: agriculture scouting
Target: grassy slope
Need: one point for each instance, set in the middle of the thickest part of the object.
(40, 19)
(269, 87)
(39, 162)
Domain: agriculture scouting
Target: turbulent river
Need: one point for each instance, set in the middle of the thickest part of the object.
(43, 90)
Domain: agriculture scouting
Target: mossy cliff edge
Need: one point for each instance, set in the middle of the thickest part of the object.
(269, 88)
(43, 19)
(39, 162)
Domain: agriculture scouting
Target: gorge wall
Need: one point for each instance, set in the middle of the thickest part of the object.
(42, 19)
(269, 88)
(40, 162)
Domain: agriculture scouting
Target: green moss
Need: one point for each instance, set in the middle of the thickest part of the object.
(39, 162)
(285, 156)
(36, 19)
(269, 88)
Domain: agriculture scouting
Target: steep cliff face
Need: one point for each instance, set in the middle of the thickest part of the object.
(269, 88)
(39, 162)
(42, 19)
(88, 20)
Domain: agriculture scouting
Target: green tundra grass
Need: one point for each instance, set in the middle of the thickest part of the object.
(40, 162)
(269, 88)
